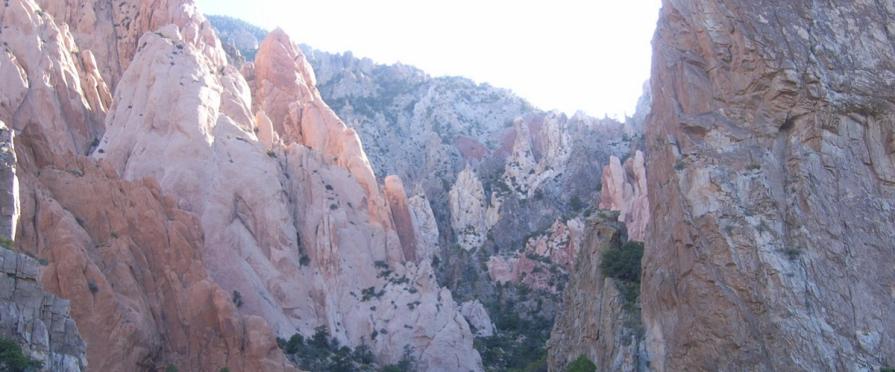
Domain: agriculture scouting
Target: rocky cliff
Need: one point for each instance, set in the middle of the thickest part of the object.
(507, 184)
(771, 182)
(30, 316)
(624, 190)
(601, 315)
(216, 210)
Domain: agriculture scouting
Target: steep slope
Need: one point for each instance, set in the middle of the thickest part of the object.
(506, 185)
(185, 236)
(29, 316)
(601, 318)
(770, 173)
(295, 225)
(108, 258)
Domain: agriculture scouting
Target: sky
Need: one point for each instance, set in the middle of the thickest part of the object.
(568, 55)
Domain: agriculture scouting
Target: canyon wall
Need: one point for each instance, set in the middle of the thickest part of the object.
(216, 210)
(598, 320)
(771, 181)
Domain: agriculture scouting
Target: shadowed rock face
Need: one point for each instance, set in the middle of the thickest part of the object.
(29, 316)
(771, 182)
(596, 322)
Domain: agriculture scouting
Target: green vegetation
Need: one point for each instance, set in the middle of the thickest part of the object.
(582, 364)
(13, 359)
(623, 263)
(322, 353)
(237, 298)
(521, 337)
(887, 369)
(171, 368)
(406, 364)
(576, 204)
(793, 253)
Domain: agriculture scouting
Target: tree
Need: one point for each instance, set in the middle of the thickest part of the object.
(582, 364)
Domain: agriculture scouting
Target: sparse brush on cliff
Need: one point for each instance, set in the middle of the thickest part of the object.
(582, 364)
(623, 263)
(322, 353)
(13, 359)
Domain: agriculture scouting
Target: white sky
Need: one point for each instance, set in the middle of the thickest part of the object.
(592, 55)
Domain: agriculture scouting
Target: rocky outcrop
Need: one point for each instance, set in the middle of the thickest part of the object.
(545, 261)
(284, 87)
(770, 176)
(128, 260)
(540, 150)
(294, 221)
(597, 320)
(9, 184)
(51, 90)
(624, 190)
(29, 316)
(35, 319)
(478, 318)
(397, 202)
(468, 210)
(110, 31)
(425, 225)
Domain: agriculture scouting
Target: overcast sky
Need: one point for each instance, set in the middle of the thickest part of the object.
(590, 55)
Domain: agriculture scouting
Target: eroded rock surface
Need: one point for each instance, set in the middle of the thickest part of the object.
(597, 320)
(294, 220)
(29, 316)
(770, 176)
(624, 190)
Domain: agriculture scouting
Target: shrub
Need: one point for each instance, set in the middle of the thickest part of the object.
(623, 263)
(295, 342)
(13, 359)
(576, 204)
(582, 364)
(304, 260)
(171, 368)
(793, 253)
(237, 298)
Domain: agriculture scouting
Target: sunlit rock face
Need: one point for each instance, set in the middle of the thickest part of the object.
(199, 198)
(624, 191)
(31, 317)
(770, 176)
(294, 221)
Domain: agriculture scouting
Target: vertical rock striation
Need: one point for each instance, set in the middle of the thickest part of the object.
(597, 321)
(29, 316)
(771, 187)
(624, 190)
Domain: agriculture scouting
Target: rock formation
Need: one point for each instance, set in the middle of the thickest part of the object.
(208, 220)
(468, 210)
(544, 261)
(404, 222)
(624, 190)
(293, 225)
(771, 181)
(35, 319)
(597, 320)
(29, 316)
(478, 318)
(425, 225)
